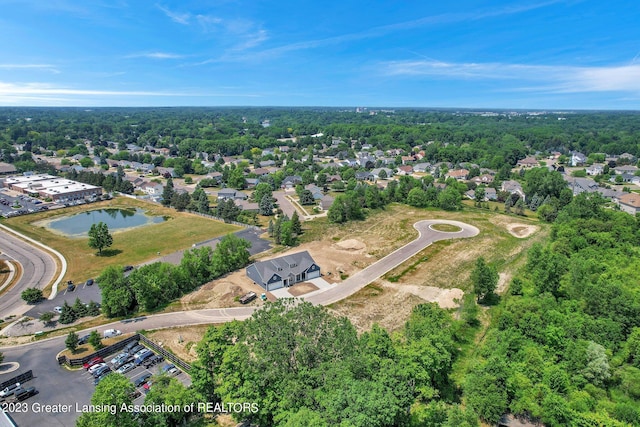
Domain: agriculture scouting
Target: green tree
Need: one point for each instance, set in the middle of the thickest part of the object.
(484, 279)
(46, 318)
(168, 192)
(67, 315)
(117, 296)
(99, 237)
(95, 340)
(306, 197)
(31, 295)
(296, 226)
(72, 341)
(170, 392)
(114, 391)
(266, 205)
(230, 254)
(417, 197)
(450, 199)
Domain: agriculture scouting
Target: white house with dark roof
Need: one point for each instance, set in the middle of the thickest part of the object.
(284, 271)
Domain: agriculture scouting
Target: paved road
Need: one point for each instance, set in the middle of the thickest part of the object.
(350, 286)
(48, 372)
(426, 236)
(38, 269)
(285, 204)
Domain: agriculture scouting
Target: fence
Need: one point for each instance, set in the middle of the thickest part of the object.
(22, 378)
(114, 348)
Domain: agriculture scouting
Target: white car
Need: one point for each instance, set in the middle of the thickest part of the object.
(126, 368)
(57, 309)
(9, 390)
(96, 367)
(111, 333)
(119, 358)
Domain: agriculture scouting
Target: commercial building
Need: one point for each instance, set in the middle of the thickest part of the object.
(55, 188)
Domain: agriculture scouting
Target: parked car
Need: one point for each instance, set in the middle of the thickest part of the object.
(127, 268)
(92, 362)
(57, 309)
(147, 386)
(25, 393)
(100, 371)
(131, 345)
(136, 349)
(153, 360)
(109, 333)
(118, 358)
(167, 367)
(141, 380)
(83, 339)
(101, 377)
(126, 368)
(70, 286)
(9, 390)
(95, 367)
(142, 357)
(89, 282)
(123, 362)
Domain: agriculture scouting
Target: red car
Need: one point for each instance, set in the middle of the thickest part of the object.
(92, 362)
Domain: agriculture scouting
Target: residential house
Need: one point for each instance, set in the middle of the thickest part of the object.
(247, 206)
(284, 271)
(483, 179)
(422, 167)
(405, 170)
(326, 202)
(626, 177)
(291, 181)
(577, 159)
(581, 185)
(151, 188)
(528, 162)
(595, 169)
(217, 176)
(7, 168)
(252, 182)
(407, 159)
(513, 187)
(459, 174)
(629, 203)
(364, 176)
(315, 190)
(231, 194)
(261, 171)
(166, 172)
(267, 163)
(376, 173)
(627, 169)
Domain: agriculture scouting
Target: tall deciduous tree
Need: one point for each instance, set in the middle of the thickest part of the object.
(484, 279)
(99, 236)
(114, 391)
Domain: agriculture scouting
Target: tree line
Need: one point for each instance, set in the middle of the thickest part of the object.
(152, 286)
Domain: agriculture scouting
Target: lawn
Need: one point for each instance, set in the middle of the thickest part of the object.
(134, 246)
(437, 273)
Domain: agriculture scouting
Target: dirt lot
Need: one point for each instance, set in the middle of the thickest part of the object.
(181, 341)
(439, 274)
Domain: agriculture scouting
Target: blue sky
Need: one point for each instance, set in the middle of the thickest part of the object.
(469, 53)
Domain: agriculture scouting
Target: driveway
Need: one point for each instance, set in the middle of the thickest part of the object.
(285, 204)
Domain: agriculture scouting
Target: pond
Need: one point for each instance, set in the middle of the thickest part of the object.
(78, 225)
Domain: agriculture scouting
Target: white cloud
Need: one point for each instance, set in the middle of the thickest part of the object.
(549, 78)
(180, 18)
(46, 67)
(156, 55)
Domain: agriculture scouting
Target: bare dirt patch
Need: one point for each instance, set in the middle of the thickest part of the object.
(351, 245)
(180, 341)
(302, 288)
(521, 230)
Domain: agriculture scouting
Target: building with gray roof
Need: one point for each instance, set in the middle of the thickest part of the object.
(283, 271)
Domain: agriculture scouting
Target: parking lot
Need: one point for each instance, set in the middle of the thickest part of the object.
(66, 390)
(14, 205)
(82, 290)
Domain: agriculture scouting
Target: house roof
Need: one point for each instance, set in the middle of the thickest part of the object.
(630, 199)
(283, 266)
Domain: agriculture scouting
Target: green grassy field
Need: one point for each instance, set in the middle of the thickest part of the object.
(133, 246)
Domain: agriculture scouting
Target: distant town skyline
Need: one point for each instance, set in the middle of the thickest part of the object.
(554, 54)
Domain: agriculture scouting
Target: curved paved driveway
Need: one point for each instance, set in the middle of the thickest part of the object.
(38, 269)
(426, 236)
